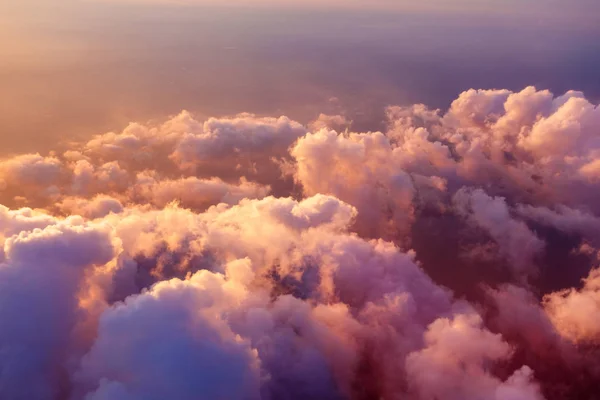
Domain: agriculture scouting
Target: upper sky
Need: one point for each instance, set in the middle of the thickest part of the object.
(74, 67)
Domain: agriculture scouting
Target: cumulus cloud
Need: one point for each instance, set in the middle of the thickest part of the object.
(569, 220)
(173, 343)
(258, 258)
(192, 192)
(337, 123)
(453, 365)
(357, 169)
(570, 310)
(96, 207)
(516, 242)
(40, 278)
(245, 145)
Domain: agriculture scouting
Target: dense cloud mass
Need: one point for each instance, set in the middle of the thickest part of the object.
(453, 256)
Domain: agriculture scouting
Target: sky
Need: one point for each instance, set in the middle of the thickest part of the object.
(73, 68)
(261, 200)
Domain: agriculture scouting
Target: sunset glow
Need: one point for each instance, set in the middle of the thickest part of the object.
(281, 200)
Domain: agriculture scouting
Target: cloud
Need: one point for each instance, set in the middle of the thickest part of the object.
(565, 219)
(337, 123)
(193, 192)
(97, 207)
(359, 169)
(453, 365)
(232, 147)
(40, 278)
(171, 342)
(257, 258)
(570, 310)
(29, 169)
(516, 242)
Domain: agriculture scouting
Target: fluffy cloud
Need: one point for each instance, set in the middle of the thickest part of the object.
(172, 343)
(358, 169)
(258, 258)
(245, 145)
(96, 207)
(570, 310)
(192, 192)
(516, 242)
(453, 365)
(41, 276)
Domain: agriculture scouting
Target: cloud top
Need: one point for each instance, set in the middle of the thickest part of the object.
(454, 255)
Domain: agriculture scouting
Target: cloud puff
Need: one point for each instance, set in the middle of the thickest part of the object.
(453, 365)
(245, 145)
(172, 343)
(40, 278)
(192, 192)
(358, 169)
(516, 242)
(29, 169)
(96, 207)
(570, 310)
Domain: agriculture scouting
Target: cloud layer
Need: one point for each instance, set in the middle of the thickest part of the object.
(452, 256)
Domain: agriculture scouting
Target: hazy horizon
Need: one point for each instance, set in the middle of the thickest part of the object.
(76, 68)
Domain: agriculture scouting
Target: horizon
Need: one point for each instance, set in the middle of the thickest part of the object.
(102, 60)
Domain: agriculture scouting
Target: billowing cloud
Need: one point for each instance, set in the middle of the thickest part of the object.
(173, 343)
(451, 256)
(453, 365)
(570, 310)
(516, 242)
(42, 273)
(242, 146)
(359, 169)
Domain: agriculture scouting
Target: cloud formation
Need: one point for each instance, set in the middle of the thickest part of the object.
(452, 256)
